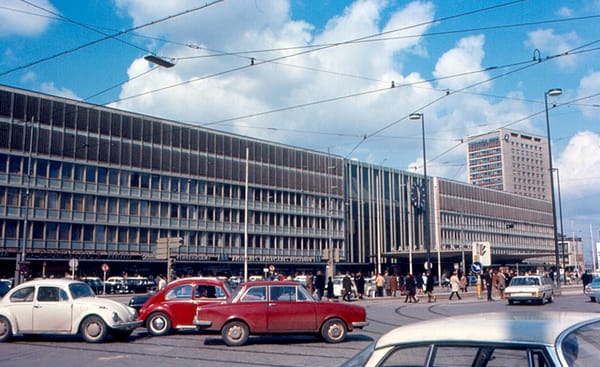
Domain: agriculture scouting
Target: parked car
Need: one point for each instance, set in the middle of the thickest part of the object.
(95, 283)
(134, 285)
(5, 286)
(279, 307)
(112, 283)
(530, 288)
(592, 288)
(174, 306)
(550, 339)
(63, 306)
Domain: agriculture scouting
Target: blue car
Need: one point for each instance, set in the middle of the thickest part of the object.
(592, 288)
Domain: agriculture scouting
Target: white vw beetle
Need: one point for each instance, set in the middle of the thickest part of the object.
(63, 306)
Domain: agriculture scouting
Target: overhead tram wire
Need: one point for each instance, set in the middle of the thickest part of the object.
(112, 36)
(83, 25)
(510, 3)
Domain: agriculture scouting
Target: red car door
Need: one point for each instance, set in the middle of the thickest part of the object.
(289, 310)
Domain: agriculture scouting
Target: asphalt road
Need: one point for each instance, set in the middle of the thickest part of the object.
(196, 349)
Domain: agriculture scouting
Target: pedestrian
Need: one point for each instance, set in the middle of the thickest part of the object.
(411, 289)
(501, 283)
(309, 283)
(162, 282)
(419, 282)
(320, 284)
(393, 284)
(347, 287)
(488, 280)
(429, 284)
(380, 284)
(330, 294)
(359, 280)
(454, 285)
(586, 279)
(463, 282)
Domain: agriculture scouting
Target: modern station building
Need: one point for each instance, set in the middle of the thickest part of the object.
(100, 185)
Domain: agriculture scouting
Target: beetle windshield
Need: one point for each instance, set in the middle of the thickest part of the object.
(79, 290)
(581, 347)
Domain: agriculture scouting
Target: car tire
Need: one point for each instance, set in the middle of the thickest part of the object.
(333, 330)
(93, 329)
(5, 329)
(592, 299)
(235, 333)
(158, 324)
(511, 302)
(551, 298)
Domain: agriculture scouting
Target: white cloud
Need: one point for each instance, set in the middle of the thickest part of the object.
(19, 18)
(551, 44)
(579, 164)
(50, 88)
(465, 57)
(588, 86)
(565, 12)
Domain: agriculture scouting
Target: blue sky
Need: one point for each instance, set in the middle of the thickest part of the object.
(323, 70)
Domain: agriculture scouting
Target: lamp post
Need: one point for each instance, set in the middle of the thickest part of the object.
(562, 233)
(246, 218)
(425, 193)
(553, 93)
(159, 61)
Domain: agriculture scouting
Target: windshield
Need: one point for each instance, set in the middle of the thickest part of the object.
(79, 290)
(581, 347)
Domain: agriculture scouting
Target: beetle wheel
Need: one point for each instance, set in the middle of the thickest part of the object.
(333, 330)
(93, 329)
(235, 333)
(159, 324)
(5, 329)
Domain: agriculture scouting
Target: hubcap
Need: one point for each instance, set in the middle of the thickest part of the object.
(158, 323)
(93, 329)
(235, 332)
(335, 331)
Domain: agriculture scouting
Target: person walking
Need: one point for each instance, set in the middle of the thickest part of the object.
(359, 280)
(393, 285)
(329, 289)
(411, 289)
(488, 280)
(309, 283)
(320, 284)
(380, 284)
(454, 286)
(501, 283)
(347, 286)
(429, 284)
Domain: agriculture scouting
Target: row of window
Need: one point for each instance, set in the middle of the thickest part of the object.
(65, 236)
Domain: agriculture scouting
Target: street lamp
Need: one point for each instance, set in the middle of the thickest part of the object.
(562, 233)
(159, 61)
(553, 93)
(420, 116)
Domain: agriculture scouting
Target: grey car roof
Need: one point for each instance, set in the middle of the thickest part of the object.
(525, 327)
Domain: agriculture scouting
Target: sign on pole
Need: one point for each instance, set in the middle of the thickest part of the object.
(482, 252)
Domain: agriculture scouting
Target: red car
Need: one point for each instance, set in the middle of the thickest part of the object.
(275, 307)
(174, 306)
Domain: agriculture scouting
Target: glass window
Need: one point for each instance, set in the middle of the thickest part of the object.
(23, 295)
(48, 294)
(181, 292)
(413, 356)
(255, 294)
(581, 347)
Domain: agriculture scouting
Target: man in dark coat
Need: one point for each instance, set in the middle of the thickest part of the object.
(320, 284)
(347, 285)
(359, 280)
(489, 281)
(411, 289)
(429, 288)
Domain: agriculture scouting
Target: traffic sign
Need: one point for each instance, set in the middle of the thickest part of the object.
(476, 267)
(105, 267)
(73, 263)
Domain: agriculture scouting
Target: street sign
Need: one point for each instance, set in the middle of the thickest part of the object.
(104, 267)
(476, 267)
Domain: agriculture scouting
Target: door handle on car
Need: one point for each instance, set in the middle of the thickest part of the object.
(272, 304)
